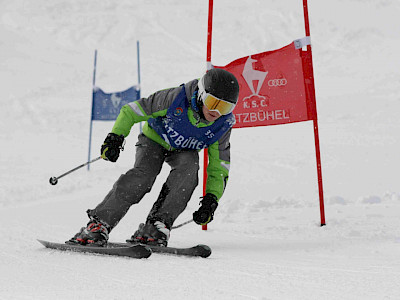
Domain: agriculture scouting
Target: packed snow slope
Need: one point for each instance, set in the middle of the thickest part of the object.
(266, 238)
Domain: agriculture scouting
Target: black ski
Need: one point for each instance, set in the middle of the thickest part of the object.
(129, 250)
(199, 250)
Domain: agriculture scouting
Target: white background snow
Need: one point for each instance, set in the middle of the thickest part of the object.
(266, 238)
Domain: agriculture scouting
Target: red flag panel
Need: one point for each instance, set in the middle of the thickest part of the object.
(272, 88)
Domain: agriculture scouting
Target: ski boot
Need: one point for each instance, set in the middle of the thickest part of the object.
(95, 234)
(156, 234)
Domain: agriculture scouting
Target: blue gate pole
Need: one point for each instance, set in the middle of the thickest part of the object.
(91, 115)
(138, 65)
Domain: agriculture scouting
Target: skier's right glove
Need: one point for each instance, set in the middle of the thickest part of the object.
(111, 147)
(205, 213)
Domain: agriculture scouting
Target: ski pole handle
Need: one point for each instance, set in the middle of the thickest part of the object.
(54, 180)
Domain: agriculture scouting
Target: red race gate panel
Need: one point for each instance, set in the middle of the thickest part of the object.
(272, 88)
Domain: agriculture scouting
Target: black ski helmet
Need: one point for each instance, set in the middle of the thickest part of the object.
(221, 84)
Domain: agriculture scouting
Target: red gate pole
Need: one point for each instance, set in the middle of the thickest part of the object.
(209, 33)
(205, 164)
(315, 120)
(209, 38)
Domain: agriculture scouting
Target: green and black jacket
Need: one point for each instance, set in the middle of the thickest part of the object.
(156, 105)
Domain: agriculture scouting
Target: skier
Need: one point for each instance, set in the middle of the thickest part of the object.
(179, 123)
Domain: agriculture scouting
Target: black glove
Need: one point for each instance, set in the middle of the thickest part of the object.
(206, 211)
(111, 147)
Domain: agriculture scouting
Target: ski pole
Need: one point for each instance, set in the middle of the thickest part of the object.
(180, 225)
(54, 180)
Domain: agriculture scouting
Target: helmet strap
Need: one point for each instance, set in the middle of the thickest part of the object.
(197, 104)
(194, 101)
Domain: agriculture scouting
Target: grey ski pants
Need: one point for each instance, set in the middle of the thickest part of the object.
(131, 187)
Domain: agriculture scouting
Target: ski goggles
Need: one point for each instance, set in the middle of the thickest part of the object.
(213, 103)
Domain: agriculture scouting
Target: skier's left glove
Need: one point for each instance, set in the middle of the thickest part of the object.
(111, 147)
(205, 213)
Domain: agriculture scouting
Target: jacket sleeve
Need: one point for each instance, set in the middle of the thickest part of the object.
(218, 165)
(143, 109)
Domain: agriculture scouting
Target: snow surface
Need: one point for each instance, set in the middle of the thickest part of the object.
(266, 238)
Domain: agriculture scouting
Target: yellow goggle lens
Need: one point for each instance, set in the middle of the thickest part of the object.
(215, 104)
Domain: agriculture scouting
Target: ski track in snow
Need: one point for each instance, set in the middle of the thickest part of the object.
(266, 238)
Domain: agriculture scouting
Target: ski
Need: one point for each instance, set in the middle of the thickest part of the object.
(127, 250)
(196, 251)
(134, 250)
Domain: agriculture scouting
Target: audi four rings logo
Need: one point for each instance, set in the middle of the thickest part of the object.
(277, 82)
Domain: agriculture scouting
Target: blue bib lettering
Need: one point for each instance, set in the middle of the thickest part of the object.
(177, 130)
